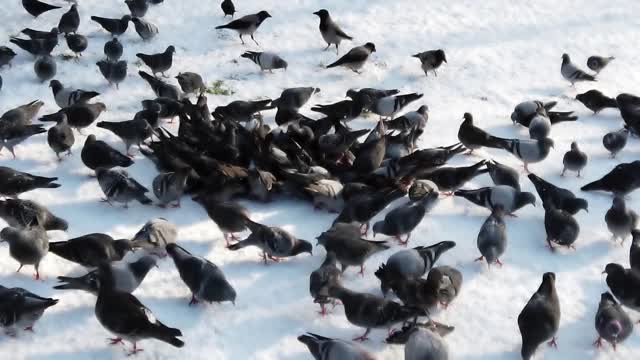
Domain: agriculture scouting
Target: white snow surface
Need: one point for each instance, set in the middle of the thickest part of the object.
(500, 53)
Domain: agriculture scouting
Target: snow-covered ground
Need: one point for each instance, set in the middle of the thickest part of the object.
(500, 53)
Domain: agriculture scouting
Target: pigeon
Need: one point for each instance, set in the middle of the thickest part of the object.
(1, 82)
(228, 8)
(572, 73)
(528, 151)
(66, 97)
(12, 135)
(624, 285)
(370, 311)
(390, 105)
(138, 8)
(77, 43)
(169, 187)
(45, 68)
(492, 238)
(410, 264)
(411, 120)
(14, 182)
(326, 194)
(22, 214)
(351, 250)
(368, 96)
(91, 250)
(540, 318)
(503, 175)
(21, 309)
(322, 278)
(131, 132)
(113, 50)
(262, 184)
(634, 251)
(612, 322)
(6, 55)
(160, 62)
(615, 141)
(405, 218)
(274, 242)
(191, 83)
(79, 116)
(23, 114)
(205, 280)
(363, 206)
(562, 228)
(620, 220)
(422, 341)
(98, 154)
(560, 198)
(123, 315)
(37, 8)
(451, 179)
(527, 110)
(266, 60)
(116, 27)
(574, 159)
(629, 106)
(145, 29)
(69, 21)
(36, 47)
(446, 281)
(38, 34)
(27, 246)
(596, 101)
(473, 138)
(621, 180)
(242, 111)
(540, 126)
(113, 72)
(229, 216)
(598, 63)
(370, 155)
(119, 187)
(247, 25)
(290, 102)
(124, 277)
(431, 60)
(355, 58)
(324, 348)
(330, 31)
(161, 88)
(500, 196)
(155, 235)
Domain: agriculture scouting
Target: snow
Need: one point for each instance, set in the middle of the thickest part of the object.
(500, 53)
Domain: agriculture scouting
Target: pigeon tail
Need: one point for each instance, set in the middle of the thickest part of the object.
(166, 334)
(594, 186)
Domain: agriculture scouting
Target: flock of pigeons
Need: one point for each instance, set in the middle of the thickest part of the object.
(231, 153)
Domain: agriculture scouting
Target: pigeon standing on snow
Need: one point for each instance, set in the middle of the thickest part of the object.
(501, 196)
(45, 68)
(431, 60)
(503, 175)
(119, 187)
(528, 151)
(562, 228)
(540, 319)
(615, 141)
(405, 218)
(161, 88)
(324, 348)
(621, 180)
(113, 50)
(138, 8)
(26, 213)
(37, 8)
(560, 198)
(116, 27)
(574, 159)
(6, 55)
(473, 137)
(266, 60)
(205, 280)
(12, 135)
(145, 29)
(290, 102)
(322, 278)
(620, 220)
(36, 47)
(527, 110)
(540, 126)
(191, 83)
(596, 101)
(113, 72)
(492, 238)
(91, 250)
(450, 179)
(79, 116)
(27, 246)
(65, 96)
(422, 341)
(131, 132)
(390, 105)
(77, 43)
(446, 281)
(597, 63)
(155, 235)
(411, 120)
(69, 21)
(23, 114)
(274, 242)
(612, 322)
(230, 217)
(244, 111)
(160, 62)
(247, 25)
(572, 73)
(228, 8)
(98, 154)
(355, 58)
(634, 251)
(21, 309)
(14, 182)
(169, 187)
(624, 285)
(330, 31)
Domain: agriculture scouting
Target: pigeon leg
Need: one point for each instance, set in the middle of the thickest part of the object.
(264, 257)
(481, 258)
(526, 168)
(226, 239)
(193, 301)
(176, 205)
(553, 343)
(598, 342)
(337, 52)
(363, 337)
(335, 303)
(563, 171)
(435, 72)
(499, 262)
(444, 305)
(37, 276)
(29, 328)
(135, 350)
(275, 259)
(327, 48)
(361, 272)
(20, 268)
(579, 175)
(550, 245)
(323, 312)
(13, 153)
(59, 158)
(254, 40)
(114, 341)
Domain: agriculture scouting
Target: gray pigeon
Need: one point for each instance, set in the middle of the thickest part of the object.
(91, 250)
(12, 135)
(161, 88)
(410, 120)
(574, 159)
(389, 106)
(65, 96)
(327, 194)
(205, 280)
(230, 217)
(446, 282)
(624, 285)
(540, 126)
(422, 341)
(244, 111)
(405, 218)
(36, 47)
(540, 319)
(131, 132)
(69, 21)
(528, 151)
(14, 182)
(113, 50)
(27, 246)
(77, 43)
(60, 137)
(155, 235)
(145, 29)
(290, 102)
(45, 68)
(634, 251)
(262, 184)
(492, 238)
(21, 309)
(612, 322)
(120, 276)
(6, 55)
(113, 72)
(138, 8)
(160, 62)
(351, 250)
(330, 31)
(527, 110)
(274, 242)
(322, 278)
(431, 60)
(98, 154)
(324, 348)
(503, 196)
(116, 27)
(169, 187)
(615, 141)
(119, 187)
(266, 60)
(22, 214)
(597, 63)
(620, 220)
(23, 114)
(355, 58)
(191, 83)
(503, 175)
(562, 228)
(247, 25)
(572, 73)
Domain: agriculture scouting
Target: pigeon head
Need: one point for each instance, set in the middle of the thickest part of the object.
(548, 283)
(574, 146)
(122, 247)
(176, 251)
(280, 63)
(525, 198)
(322, 14)
(613, 269)
(262, 15)
(90, 139)
(370, 46)
(468, 118)
(576, 204)
(134, 20)
(440, 55)
(55, 85)
(565, 59)
(607, 298)
(635, 233)
(423, 109)
(618, 203)
(302, 246)
(171, 49)
(7, 234)
(546, 142)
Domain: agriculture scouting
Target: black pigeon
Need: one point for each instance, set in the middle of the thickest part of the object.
(228, 8)
(161, 88)
(26, 213)
(36, 47)
(70, 21)
(37, 8)
(138, 8)
(629, 106)
(131, 132)
(624, 285)
(21, 309)
(98, 154)
(364, 206)
(158, 63)
(12, 135)
(597, 63)
(473, 138)
(38, 34)
(274, 242)
(615, 141)
(77, 43)
(6, 55)
(621, 221)
(574, 159)
(91, 250)
(621, 180)
(431, 60)
(355, 58)
(45, 68)
(562, 228)
(560, 198)
(230, 217)
(113, 50)
(596, 101)
(405, 218)
(241, 111)
(116, 27)
(450, 179)
(540, 319)
(14, 183)
(247, 25)
(191, 83)
(113, 72)
(79, 116)
(634, 251)
(612, 322)
(330, 31)
(503, 175)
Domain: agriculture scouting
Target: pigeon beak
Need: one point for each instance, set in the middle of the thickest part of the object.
(604, 272)
(233, 302)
